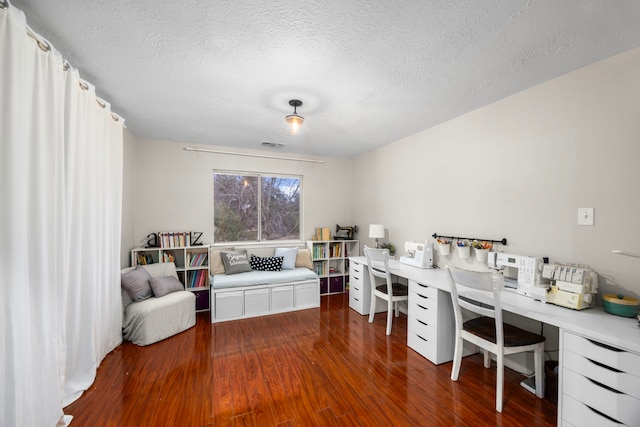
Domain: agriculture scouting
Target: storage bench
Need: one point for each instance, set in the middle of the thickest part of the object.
(260, 293)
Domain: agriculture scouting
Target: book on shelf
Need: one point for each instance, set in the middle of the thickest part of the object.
(174, 239)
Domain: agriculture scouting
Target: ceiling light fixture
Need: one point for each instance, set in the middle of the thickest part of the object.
(294, 122)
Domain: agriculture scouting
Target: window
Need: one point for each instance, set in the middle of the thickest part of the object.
(255, 207)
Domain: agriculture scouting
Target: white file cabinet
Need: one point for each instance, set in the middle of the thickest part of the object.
(599, 385)
(430, 329)
(360, 289)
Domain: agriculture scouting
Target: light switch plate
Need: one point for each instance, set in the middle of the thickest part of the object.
(585, 216)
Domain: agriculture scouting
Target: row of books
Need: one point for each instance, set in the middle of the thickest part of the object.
(319, 268)
(174, 239)
(168, 257)
(322, 234)
(144, 259)
(319, 252)
(196, 259)
(197, 279)
(335, 250)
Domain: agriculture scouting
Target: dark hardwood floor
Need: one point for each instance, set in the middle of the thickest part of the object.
(317, 367)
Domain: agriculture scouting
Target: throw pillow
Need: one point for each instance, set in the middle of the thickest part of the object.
(273, 263)
(255, 262)
(215, 263)
(289, 255)
(136, 283)
(266, 264)
(162, 286)
(303, 259)
(235, 262)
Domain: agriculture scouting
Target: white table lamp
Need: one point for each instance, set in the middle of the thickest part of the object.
(376, 231)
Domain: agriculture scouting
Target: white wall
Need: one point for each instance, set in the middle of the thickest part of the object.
(520, 168)
(174, 188)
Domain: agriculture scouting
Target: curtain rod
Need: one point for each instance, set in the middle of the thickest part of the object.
(45, 46)
(263, 156)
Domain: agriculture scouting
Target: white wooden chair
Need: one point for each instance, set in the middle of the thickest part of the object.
(380, 277)
(480, 293)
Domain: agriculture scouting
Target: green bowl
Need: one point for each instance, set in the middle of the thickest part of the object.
(620, 305)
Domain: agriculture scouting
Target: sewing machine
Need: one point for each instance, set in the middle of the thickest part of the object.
(420, 254)
(521, 273)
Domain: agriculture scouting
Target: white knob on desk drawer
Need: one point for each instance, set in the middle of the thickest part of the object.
(588, 298)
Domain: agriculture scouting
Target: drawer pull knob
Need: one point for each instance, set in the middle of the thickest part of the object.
(423, 286)
(422, 338)
(422, 307)
(420, 321)
(422, 296)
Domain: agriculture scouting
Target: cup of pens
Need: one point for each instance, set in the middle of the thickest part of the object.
(464, 250)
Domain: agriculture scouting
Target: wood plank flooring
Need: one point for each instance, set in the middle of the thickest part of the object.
(317, 367)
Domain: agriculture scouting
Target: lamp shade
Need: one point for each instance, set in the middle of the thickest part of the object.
(294, 123)
(376, 231)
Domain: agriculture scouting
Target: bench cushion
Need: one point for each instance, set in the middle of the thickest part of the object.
(253, 278)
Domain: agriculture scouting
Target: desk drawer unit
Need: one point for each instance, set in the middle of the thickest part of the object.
(430, 329)
(360, 289)
(599, 384)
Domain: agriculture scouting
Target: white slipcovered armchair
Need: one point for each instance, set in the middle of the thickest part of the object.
(154, 319)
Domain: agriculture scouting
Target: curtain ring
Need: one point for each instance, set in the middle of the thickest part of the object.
(3, 4)
(42, 44)
(101, 103)
(115, 118)
(83, 85)
(66, 65)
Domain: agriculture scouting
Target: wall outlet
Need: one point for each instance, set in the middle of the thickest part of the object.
(585, 216)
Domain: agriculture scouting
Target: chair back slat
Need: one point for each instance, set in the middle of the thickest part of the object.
(378, 263)
(478, 292)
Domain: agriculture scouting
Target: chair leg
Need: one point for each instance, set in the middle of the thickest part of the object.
(487, 359)
(389, 316)
(457, 358)
(499, 381)
(372, 308)
(397, 306)
(538, 356)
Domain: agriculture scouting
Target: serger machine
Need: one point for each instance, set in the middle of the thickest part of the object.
(572, 287)
(420, 254)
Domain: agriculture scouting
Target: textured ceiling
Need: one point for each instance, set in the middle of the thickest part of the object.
(368, 72)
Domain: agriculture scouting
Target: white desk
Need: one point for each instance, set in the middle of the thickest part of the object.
(581, 336)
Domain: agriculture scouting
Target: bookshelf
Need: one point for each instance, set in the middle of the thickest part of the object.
(331, 263)
(192, 265)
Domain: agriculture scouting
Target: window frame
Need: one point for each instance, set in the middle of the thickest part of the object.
(260, 175)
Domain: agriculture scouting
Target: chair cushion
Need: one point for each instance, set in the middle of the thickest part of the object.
(485, 327)
(398, 289)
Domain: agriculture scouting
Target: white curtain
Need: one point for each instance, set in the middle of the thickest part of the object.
(60, 220)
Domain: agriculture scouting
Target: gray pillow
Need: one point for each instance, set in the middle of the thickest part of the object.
(136, 283)
(289, 255)
(162, 286)
(235, 262)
